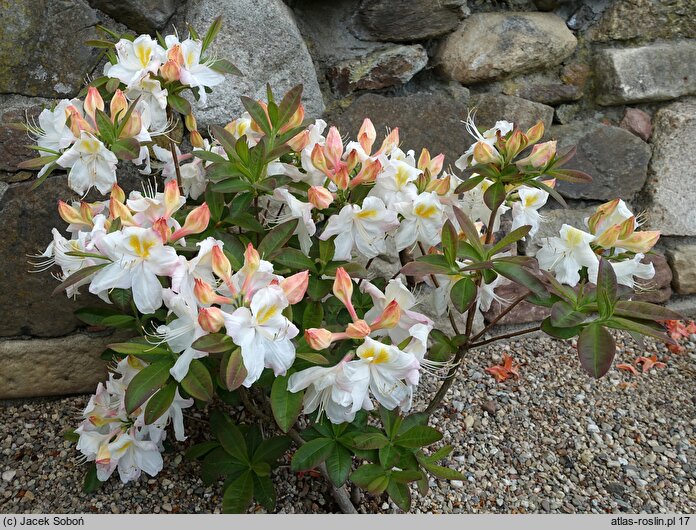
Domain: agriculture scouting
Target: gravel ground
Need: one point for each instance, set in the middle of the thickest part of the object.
(551, 441)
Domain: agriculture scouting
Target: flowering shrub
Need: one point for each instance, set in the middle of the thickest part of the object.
(244, 271)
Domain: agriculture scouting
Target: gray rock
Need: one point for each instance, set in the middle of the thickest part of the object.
(657, 72)
(638, 122)
(143, 16)
(30, 368)
(659, 289)
(523, 113)
(682, 260)
(262, 40)
(13, 142)
(387, 66)
(548, 93)
(672, 182)
(493, 45)
(616, 160)
(409, 20)
(41, 51)
(445, 133)
(645, 20)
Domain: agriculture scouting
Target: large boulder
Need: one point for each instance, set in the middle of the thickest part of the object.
(682, 259)
(424, 120)
(262, 40)
(143, 16)
(657, 72)
(523, 113)
(41, 46)
(616, 160)
(671, 186)
(490, 46)
(13, 142)
(409, 20)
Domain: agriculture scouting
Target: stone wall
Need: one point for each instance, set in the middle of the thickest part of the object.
(612, 76)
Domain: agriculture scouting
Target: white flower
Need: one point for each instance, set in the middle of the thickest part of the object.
(91, 163)
(298, 210)
(475, 208)
(567, 254)
(263, 333)
(395, 183)
(423, 220)
(526, 210)
(138, 258)
(199, 267)
(486, 294)
(488, 137)
(131, 456)
(136, 60)
(394, 291)
(193, 72)
(628, 269)
(54, 134)
(156, 431)
(364, 226)
(340, 391)
(154, 99)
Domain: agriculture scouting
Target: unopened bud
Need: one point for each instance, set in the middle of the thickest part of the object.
(535, 133)
(341, 177)
(319, 160)
(485, 153)
(368, 172)
(295, 286)
(440, 186)
(320, 197)
(318, 338)
(76, 122)
(119, 210)
(222, 268)
(69, 214)
(352, 160)
(435, 165)
(190, 122)
(118, 193)
(540, 155)
(367, 135)
(333, 148)
(175, 54)
(389, 318)
(211, 319)
(343, 290)
(93, 102)
(162, 228)
(602, 212)
(196, 140)
(515, 143)
(133, 126)
(358, 329)
(608, 238)
(641, 242)
(118, 106)
(298, 142)
(390, 143)
(196, 222)
(170, 71)
(204, 292)
(295, 120)
(252, 260)
(172, 197)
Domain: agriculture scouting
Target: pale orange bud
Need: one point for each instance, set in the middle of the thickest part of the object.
(352, 160)
(515, 143)
(69, 214)
(389, 143)
(118, 193)
(170, 71)
(221, 265)
(485, 154)
(295, 120)
(319, 160)
(320, 197)
(86, 212)
(252, 260)
(341, 177)
(77, 123)
(389, 318)
(93, 102)
(190, 122)
(133, 126)
(196, 222)
(551, 183)
(343, 290)
(368, 172)
(204, 292)
(628, 227)
(175, 54)
(358, 329)
(535, 133)
(196, 140)
(299, 142)
(162, 228)
(172, 197)
(118, 209)
(333, 149)
(640, 242)
(540, 155)
(103, 455)
(423, 160)
(435, 165)
(211, 319)
(295, 286)
(367, 135)
(608, 238)
(318, 338)
(118, 106)
(440, 186)
(602, 212)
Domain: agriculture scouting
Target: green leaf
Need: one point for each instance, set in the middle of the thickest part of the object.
(271, 450)
(326, 250)
(370, 477)
(463, 294)
(138, 348)
(389, 456)
(91, 482)
(232, 185)
(200, 450)
(179, 104)
(212, 32)
(338, 464)
(77, 277)
(216, 204)
(126, 148)
(559, 333)
(226, 67)
(218, 462)
(644, 328)
(214, 343)
(596, 350)
(265, 492)
(239, 493)
(121, 298)
(564, 316)
(160, 402)
(198, 382)
(494, 196)
(450, 242)
(509, 239)
(469, 229)
(400, 494)
(520, 275)
(289, 105)
(145, 383)
(286, 405)
(276, 238)
(311, 454)
(406, 475)
(229, 436)
(442, 472)
(645, 311)
(118, 321)
(232, 369)
(257, 114)
(419, 436)
(313, 315)
(607, 288)
(429, 264)
(391, 420)
(370, 440)
(294, 259)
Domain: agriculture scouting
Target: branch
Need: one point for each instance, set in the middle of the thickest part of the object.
(506, 336)
(493, 322)
(172, 148)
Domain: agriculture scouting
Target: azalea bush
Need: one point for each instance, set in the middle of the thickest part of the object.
(244, 270)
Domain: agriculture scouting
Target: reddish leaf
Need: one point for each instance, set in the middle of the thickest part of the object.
(505, 371)
(627, 367)
(649, 363)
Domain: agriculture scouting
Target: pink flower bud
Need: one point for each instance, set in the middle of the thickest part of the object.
(175, 54)
(320, 197)
(119, 210)
(540, 155)
(358, 330)
(535, 133)
(118, 106)
(204, 292)
(170, 71)
(118, 193)
(343, 290)
(367, 135)
(368, 172)
(389, 318)
(435, 165)
(76, 122)
(172, 197)
(252, 260)
(319, 160)
(69, 214)
(93, 102)
(423, 160)
(333, 150)
(295, 286)
(341, 177)
(352, 160)
(211, 319)
(162, 228)
(440, 186)
(196, 222)
(485, 154)
(318, 338)
(222, 268)
(389, 143)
